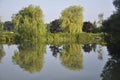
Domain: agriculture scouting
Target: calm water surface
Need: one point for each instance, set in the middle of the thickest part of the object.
(56, 64)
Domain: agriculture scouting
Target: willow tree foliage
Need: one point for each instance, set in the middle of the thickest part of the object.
(29, 22)
(72, 19)
(1, 24)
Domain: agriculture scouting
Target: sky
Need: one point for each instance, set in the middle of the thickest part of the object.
(52, 8)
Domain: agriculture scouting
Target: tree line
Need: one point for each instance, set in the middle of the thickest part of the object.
(28, 23)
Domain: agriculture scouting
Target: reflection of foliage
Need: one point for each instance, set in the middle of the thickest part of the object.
(112, 69)
(87, 48)
(55, 50)
(1, 53)
(71, 57)
(30, 57)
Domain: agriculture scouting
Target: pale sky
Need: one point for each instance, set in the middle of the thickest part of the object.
(52, 8)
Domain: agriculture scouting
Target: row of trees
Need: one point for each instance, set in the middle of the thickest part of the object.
(29, 24)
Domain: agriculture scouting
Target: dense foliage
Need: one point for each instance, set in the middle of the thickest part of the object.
(55, 26)
(88, 27)
(28, 23)
(72, 19)
(112, 24)
(1, 25)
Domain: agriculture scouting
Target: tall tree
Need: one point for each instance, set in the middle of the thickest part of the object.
(72, 19)
(1, 25)
(29, 22)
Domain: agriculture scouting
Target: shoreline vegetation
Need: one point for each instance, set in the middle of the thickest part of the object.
(55, 38)
(28, 25)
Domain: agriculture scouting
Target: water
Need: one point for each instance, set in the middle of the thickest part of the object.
(68, 62)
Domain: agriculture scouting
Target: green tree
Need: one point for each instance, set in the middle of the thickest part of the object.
(29, 23)
(1, 25)
(72, 19)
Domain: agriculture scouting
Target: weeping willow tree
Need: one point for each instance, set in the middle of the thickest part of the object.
(72, 57)
(72, 19)
(1, 25)
(28, 23)
(30, 57)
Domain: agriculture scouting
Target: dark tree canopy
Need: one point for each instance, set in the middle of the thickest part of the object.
(112, 25)
(87, 27)
(55, 26)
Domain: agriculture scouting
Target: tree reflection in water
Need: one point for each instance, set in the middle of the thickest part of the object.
(94, 47)
(112, 68)
(71, 56)
(55, 50)
(30, 56)
(1, 53)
